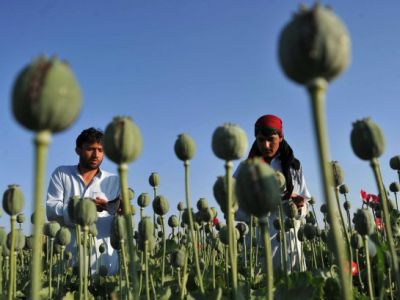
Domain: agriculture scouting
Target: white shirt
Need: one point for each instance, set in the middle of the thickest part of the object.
(66, 182)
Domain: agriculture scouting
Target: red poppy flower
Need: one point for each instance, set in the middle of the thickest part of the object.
(379, 223)
(215, 221)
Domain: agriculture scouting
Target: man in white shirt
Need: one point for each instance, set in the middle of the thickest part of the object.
(86, 180)
(273, 148)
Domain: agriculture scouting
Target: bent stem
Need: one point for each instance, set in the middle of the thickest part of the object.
(41, 141)
(193, 236)
(386, 220)
(268, 258)
(317, 89)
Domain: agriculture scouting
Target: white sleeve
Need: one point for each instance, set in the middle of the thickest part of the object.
(55, 198)
(300, 188)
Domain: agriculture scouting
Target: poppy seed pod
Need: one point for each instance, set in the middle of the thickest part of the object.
(63, 236)
(343, 189)
(395, 162)
(310, 218)
(154, 179)
(93, 229)
(356, 241)
(146, 228)
(102, 248)
(309, 231)
(394, 187)
(52, 228)
(281, 181)
(314, 44)
(13, 200)
(178, 258)
(300, 234)
(202, 204)
(215, 212)
(324, 209)
(180, 206)
(229, 142)
(289, 224)
(72, 207)
(347, 205)
(207, 215)
(220, 193)
(118, 228)
(291, 210)
(19, 240)
(337, 172)
(28, 242)
(143, 200)
(367, 139)
(20, 218)
(122, 140)
(173, 221)
(185, 147)
(257, 188)
(86, 212)
(311, 201)
(243, 228)
(185, 216)
(46, 96)
(363, 222)
(160, 205)
(151, 244)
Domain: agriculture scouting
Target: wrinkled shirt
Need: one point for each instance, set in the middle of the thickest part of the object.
(66, 182)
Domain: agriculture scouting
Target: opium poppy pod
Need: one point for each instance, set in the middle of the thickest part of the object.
(337, 172)
(52, 228)
(395, 162)
(257, 188)
(343, 189)
(314, 44)
(154, 179)
(363, 222)
(86, 212)
(367, 139)
(173, 221)
(146, 228)
(202, 204)
(46, 95)
(122, 140)
(229, 142)
(185, 147)
(178, 258)
(221, 195)
(71, 208)
(20, 218)
(160, 205)
(13, 200)
(143, 200)
(394, 187)
(63, 236)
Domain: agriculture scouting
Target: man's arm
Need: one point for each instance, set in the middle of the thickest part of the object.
(55, 198)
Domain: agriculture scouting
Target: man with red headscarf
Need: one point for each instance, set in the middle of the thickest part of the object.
(273, 148)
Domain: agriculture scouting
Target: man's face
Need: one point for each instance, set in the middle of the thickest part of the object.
(90, 155)
(268, 145)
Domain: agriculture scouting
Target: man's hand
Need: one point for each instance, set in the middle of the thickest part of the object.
(100, 203)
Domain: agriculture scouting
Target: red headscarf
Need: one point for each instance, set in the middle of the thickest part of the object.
(268, 123)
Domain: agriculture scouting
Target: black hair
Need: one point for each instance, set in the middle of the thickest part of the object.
(90, 135)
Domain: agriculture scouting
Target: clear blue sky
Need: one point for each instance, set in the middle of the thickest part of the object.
(190, 66)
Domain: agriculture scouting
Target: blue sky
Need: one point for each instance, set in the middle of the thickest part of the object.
(188, 67)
